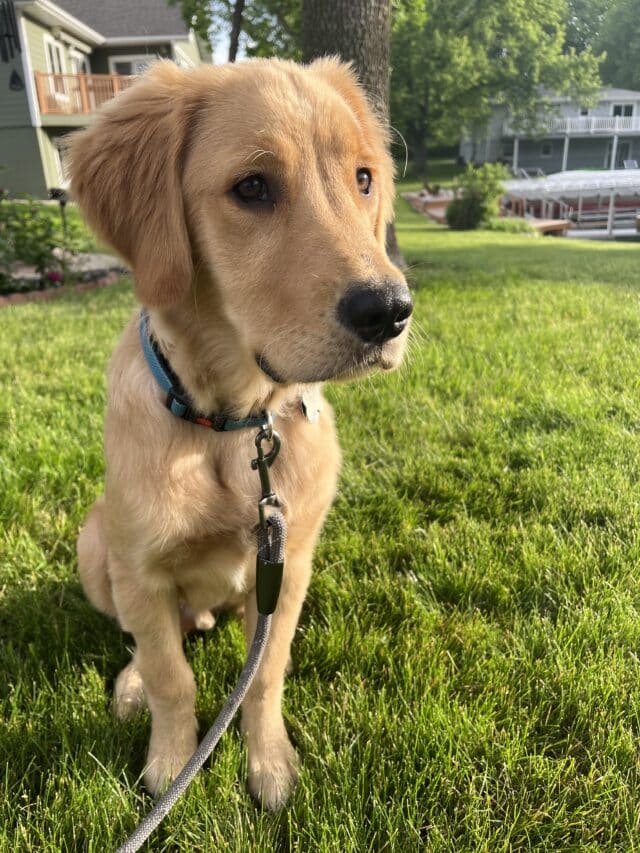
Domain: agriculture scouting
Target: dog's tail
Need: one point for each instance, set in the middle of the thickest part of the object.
(93, 559)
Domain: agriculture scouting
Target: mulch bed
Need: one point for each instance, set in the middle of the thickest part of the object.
(53, 292)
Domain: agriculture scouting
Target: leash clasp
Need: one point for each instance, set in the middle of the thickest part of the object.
(261, 464)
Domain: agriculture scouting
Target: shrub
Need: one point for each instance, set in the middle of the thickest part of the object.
(31, 232)
(478, 192)
(510, 225)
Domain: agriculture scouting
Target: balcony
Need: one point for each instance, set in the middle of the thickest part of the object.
(64, 96)
(581, 126)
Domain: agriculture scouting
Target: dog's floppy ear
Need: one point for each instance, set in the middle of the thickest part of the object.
(126, 177)
(342, 77)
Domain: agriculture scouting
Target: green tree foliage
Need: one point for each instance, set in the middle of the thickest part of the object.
(620, 38)
(584, 22)
(269, 27)
(453, 60)
(198, 14)
(273, 28)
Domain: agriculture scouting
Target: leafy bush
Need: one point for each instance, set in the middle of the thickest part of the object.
(464, 213)
(478, 192)
(30, 236)
(32, 233)
(510, 225)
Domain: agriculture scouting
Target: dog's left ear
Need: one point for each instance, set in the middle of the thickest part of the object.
(126, 177)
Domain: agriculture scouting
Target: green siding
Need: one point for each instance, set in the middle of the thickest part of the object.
(67, 121)
(49, 161)
(35, 39)
(14, 106)
(20, 154)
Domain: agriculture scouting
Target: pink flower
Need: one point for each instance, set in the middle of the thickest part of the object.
(54, 276)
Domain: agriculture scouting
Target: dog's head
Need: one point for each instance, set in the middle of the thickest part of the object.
(275, 180)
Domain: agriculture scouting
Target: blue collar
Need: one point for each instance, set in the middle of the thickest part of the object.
(178, 401)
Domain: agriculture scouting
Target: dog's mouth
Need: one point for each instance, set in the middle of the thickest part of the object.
(267, 369)
(351, 366)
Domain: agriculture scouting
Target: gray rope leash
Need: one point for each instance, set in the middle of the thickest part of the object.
(272, 534)
(206, 747)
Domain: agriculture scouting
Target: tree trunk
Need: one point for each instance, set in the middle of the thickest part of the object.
(420, 157)
(236, 29)
(358, 31)
(421, 153)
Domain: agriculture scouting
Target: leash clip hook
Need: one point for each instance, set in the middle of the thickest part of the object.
(261, 464)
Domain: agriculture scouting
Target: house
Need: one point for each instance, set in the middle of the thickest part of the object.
(75, 55)
(574, 137)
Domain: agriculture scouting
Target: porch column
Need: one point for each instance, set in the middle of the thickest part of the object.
(565, 154)
(612, 208)
(516, 152)
(614, 152)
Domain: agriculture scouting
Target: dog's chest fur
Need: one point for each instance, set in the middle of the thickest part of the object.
(193, 524)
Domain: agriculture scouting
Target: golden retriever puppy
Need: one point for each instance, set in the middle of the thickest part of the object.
(251, 202)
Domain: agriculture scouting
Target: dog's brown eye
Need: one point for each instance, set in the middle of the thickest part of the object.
(363, 177)
(252, 189)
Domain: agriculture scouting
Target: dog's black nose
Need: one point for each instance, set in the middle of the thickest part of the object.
(376, 314)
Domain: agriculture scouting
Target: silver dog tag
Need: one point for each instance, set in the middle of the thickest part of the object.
(311, 405)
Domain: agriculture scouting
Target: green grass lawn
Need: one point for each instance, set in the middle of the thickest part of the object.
(466, 671)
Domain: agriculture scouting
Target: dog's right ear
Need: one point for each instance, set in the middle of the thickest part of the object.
(126, 177)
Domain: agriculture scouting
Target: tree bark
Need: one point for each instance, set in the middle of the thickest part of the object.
(421, 153)
(358, 31)
(236, 29)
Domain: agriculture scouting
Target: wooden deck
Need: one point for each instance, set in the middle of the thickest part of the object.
(435, 207)
(550, 226)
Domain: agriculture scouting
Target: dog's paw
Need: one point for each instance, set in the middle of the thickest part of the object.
(273, 773)
(128, 698)
(164, 763)
(195, 620)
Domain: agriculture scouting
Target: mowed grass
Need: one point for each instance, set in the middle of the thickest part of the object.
(466, 671)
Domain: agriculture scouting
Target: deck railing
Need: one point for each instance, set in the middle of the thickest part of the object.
(582, 125)
(77, 94)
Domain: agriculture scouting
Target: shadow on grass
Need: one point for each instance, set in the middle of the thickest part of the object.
(60, 662)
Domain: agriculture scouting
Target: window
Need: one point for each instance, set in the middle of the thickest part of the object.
(625, 110)
(546, 149)
(584, 111)
(79, 63)
(129, 64)
(54, 55)
(623, 152)
(60, 146)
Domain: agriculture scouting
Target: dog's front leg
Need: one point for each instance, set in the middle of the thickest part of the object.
(153, 617)
(272, 759)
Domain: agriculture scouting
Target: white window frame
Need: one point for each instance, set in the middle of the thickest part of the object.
(622, 105)
(84, 60)
(63, 182)
(133, 57)
(51, 42)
